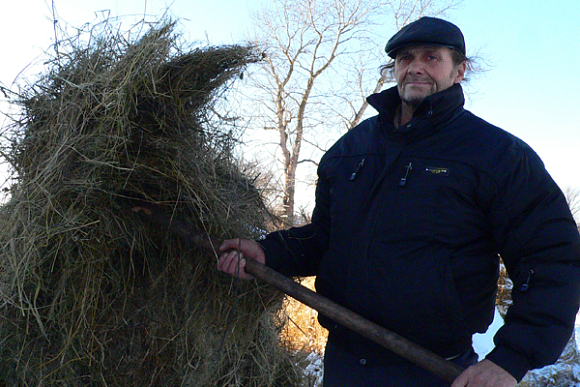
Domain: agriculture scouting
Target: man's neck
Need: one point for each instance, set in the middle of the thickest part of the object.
(404, 114)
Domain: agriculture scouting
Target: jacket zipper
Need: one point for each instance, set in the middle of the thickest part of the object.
(353, 176)
(526, 285)
(408, 169)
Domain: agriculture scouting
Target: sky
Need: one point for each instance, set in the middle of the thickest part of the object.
(532, 47)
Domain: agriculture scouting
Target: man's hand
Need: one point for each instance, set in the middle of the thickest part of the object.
(233, 256)
(485, 374)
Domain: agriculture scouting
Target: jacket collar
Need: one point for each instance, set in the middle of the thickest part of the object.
(433, 110)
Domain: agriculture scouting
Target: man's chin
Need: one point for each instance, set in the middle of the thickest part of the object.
(415, 97)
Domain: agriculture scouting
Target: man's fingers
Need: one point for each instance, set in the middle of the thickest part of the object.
(236, 265)
(229, 260)
(230, 244)
(240, 267)
(233, 255)
(461, 381)
(485, 374)
(233, 262)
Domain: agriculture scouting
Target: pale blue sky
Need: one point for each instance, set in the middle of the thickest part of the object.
(533, 46)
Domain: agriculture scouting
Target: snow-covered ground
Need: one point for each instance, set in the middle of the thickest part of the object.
(551, 376)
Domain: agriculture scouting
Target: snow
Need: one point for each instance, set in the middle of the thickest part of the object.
(314, 370)
(483, 342)
(557, 375)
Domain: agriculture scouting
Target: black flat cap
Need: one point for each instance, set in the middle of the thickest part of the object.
(429, 31)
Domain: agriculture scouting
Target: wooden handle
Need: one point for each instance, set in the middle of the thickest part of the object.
(343, 316)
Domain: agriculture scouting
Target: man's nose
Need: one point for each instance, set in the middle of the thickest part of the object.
(415, 67)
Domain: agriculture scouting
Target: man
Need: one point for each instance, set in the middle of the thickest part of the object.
(413, 209)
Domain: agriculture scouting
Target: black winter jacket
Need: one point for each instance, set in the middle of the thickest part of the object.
(409, 224)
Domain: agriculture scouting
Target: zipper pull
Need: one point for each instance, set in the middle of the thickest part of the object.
(403, 180)
(526, 286)
(353, 176)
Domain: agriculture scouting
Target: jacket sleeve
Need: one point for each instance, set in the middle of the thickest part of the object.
(297, 252)
(538, 240)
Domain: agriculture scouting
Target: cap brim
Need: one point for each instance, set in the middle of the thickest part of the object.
(393, 52)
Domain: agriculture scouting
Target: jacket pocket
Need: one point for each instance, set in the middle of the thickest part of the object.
(404, 206)
(414, 295)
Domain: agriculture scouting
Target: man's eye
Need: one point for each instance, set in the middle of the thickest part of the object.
(432, 58)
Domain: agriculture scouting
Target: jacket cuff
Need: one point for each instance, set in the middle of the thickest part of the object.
(511, 361)
(265, 245)
(268, 245)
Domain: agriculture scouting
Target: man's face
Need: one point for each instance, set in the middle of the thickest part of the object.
(424, 70)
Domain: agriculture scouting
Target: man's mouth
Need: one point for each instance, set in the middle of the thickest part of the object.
(418, 83)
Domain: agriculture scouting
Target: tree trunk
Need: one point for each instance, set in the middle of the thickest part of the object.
(289, 192)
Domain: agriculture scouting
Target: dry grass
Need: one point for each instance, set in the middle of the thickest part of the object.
(303, 332)
(89, 294)
(306, 337)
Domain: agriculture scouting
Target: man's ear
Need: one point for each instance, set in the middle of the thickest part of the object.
(460, 72)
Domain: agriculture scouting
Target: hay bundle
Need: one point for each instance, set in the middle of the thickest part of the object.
(92, 296)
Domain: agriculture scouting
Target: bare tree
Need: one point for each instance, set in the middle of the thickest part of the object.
(316, 74)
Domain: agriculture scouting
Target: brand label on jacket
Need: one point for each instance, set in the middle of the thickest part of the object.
(441, 171)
